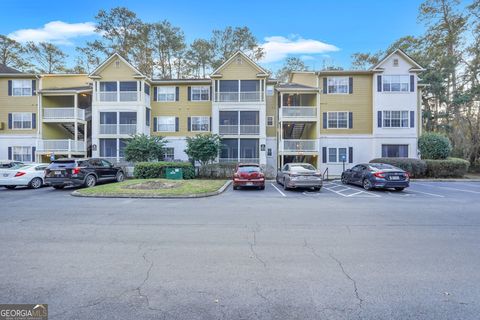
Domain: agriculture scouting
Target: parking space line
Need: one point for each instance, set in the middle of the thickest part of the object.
(427, 193)
(350, 195)
(462, 190)
(283, 194)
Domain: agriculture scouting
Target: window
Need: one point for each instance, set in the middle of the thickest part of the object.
(21, 88)
(269, 90)
(270, 121)
(395, 119)
(166, 94)
(332, 154)
(269, 152)
(108, 148)
(147, 117)
(337, 155)
(200, 124)
(337, 120)
(169, 154)
(396, 83)
(22, 120)
(23, 154)
(108, 86)
(122, 143)
(166, 124)
(342, 154)
(338, 85)
(395, 62)
(200, 93)
(395, 150)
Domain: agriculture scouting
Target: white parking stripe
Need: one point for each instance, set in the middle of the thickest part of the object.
(283, 194)
(353, 194)
(427, 193)
(462, 190)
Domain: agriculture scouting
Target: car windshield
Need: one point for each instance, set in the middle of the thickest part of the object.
(62, 164)
(249, 169)
(11, 165)
(302, 167)
(381, 166)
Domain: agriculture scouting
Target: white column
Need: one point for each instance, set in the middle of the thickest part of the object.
(75, 112)
(85, 133)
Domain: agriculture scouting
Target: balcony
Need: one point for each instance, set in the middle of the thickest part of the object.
(239, 160)
(114, 96)
(128, 129)
(294, 145)
(298, 113)
(239, 129)
(244, 96)
(62, 114)
(62, 145)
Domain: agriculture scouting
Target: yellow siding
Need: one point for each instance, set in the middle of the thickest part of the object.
(123, 73)
(64, 81)
(307, 79)
(57, 101)
(55, 131)
(271, 111)
(181, 109)
(10, 104)
(359, 102)
(235, 71)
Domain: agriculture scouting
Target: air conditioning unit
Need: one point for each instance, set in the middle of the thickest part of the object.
(2, 125)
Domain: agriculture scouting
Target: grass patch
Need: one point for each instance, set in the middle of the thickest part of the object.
(147, 187)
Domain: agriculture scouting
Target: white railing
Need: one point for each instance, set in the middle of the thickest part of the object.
(243, 160)
(127, 128)
(299, 112)
(63, 113)
(246, 96)
(239, 129)
(108, 128)
(107, 96)
(114, 160)
(118, 128)
(293, 145)
(63, 145)
(128, 96)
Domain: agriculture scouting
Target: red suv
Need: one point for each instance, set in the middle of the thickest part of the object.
(248, 175)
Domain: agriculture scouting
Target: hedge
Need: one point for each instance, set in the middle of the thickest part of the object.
(416, 168)
(447, 168)
(149, 170)
(222, 170)
(434, 146)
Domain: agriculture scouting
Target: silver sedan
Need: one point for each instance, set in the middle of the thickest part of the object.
(299, 175)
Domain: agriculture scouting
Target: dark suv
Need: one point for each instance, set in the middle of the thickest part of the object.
(81, 172)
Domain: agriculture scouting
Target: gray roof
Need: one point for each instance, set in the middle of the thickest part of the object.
(294, 86)
(82, 88)
(5, 69)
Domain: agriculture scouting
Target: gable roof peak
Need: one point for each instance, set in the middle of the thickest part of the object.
(415, 65)
(240, 52)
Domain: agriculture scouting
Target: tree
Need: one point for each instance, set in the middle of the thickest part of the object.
(290, 64)
(88, 57)
(142, 148)
(203, 147)
(12, 53)
(142, 50)
(168, 44)
(200, 55)
(48, 57)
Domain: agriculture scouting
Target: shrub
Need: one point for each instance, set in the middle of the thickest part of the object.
(447, 168)
(415, 167)
(203, 147)
(217, 170)
(145, 148)
(149, 170)
(434, 146)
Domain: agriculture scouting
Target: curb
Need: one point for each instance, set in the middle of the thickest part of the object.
(446, 180)
(193, 196)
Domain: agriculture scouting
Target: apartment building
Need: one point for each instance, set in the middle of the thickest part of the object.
(331, 119)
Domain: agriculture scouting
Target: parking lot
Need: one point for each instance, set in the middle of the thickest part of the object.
(341, 253)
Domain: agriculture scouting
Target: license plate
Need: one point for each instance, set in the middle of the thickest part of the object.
(249, 183)
(394, 178)
(57, 173)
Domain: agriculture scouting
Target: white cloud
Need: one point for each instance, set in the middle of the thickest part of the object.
(57, 32)
(279, 47)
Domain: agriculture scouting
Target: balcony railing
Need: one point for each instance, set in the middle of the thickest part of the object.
(63, 145)
(117, 96)
(299, 112)
(246, 96)
(239, 129)
(294, 145)
(242, 160)
(107, 96)
(128, 96)
(118, 129)
(63, 113)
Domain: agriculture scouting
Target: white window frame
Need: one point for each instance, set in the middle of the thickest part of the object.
(337, 154)
(270, 90)
(203, 90)
(22, 88)
(337, 120)
(403, 81)
(201, 121)
(403, 119)
(168, 94)
(167, 154)
(336, 83)
(166, 125)
(22, 155)
(272, 124)
(22, 117)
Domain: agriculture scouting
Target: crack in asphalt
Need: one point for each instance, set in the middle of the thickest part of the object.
(252, 249)
(355, 288)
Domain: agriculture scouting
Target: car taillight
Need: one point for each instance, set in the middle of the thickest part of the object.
(235, 175)
(20, 173)
(407, 175)
(379, 174)
(76, 170)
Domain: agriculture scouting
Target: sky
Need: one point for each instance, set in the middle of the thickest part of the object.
(322, 33)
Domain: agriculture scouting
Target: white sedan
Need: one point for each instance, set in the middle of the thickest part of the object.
(31, 175)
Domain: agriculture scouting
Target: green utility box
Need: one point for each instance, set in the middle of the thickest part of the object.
(174, 173)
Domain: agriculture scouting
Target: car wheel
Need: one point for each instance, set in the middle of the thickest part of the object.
(59, 187)
(317, 188)
(344, 179)
(35, 183)
(10, 187)
(235, 188)
(120, 177)
(367, 185)
(285, 187)
(262, 188)
(399, 189)
(90, 181)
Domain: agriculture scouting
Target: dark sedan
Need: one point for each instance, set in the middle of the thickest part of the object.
(376, 175)
(81, 172)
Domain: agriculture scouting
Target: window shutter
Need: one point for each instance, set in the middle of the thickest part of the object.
(379, 119)
(189, 121)
(177, 124)
(379, 83)
(325, 120)
(177, 93)
(189, 93)
(210, 124)
(324, 154)
(325, 85)
(34, 120)
(9, 87)
(10, 121)
(210, 93)
(155, 122)
(33, 154)
(10, 156)
(412, 83)
(412, 119)
(155, 91)
(350, 85)
(34, 87)
(350, 154)
(350, 120)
